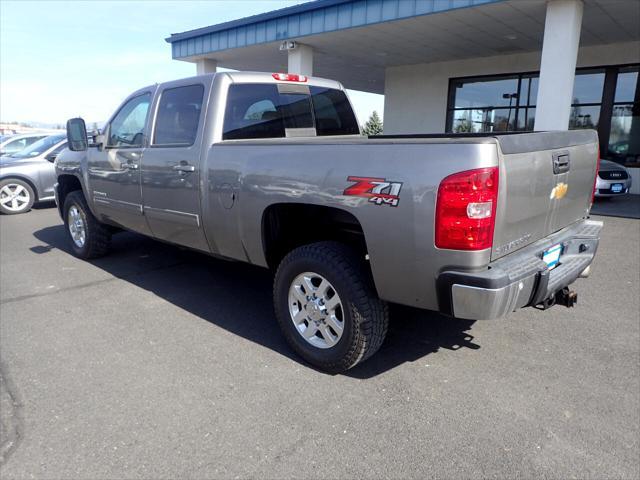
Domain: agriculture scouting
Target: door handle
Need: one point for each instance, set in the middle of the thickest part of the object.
(561, 162)
(183, 168)
(129, 166)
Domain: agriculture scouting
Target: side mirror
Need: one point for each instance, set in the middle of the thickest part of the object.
(51, 157)
(77, 135)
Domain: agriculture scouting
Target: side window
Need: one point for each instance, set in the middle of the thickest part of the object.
(127, 128)
(252, 112)
(334, 115)
(178, 116)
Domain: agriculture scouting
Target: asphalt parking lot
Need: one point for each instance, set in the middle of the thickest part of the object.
(156, 362)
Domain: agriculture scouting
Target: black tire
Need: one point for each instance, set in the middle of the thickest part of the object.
(364, 315)
(97, 235)
(13, 184)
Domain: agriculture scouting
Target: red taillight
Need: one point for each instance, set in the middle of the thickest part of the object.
(595, 178)
(466, 210)
(289, 77)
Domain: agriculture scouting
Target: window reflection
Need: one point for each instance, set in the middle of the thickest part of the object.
(501, 103)
(584, 117)
(529, 91)
(587, 87)
(484, 120)
(627, 85)
(624, 139)
(488, 93)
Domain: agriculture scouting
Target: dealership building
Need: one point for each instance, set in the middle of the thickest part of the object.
(455, 65)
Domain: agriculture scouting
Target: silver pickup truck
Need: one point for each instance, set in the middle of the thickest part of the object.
(271, 169)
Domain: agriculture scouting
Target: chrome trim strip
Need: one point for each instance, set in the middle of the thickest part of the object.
(176, 216)
(121, 204)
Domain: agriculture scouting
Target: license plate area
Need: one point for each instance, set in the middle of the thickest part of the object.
(616, 188)
(551, 256)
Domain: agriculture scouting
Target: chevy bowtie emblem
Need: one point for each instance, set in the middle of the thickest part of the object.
(559, 191)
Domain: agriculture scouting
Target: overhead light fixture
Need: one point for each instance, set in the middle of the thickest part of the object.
(288, 45)
(511, 36)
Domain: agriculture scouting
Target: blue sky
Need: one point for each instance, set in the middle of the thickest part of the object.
(64, 59)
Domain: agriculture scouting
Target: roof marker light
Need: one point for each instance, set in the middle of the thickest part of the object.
(289, 77)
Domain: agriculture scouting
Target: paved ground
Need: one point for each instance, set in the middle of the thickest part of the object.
(159, 363)
(626, 206)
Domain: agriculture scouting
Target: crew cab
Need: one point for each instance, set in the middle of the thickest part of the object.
(271, 169)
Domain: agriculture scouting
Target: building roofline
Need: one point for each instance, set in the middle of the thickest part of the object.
(261, 17)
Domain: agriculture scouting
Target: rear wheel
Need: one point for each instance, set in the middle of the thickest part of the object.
(89, 238)
(16, 196)
(327, 307)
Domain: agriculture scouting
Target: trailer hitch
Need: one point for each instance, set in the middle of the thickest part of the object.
(566, 297)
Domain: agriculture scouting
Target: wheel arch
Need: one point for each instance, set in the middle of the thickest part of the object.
(67, 183)
(281, 232)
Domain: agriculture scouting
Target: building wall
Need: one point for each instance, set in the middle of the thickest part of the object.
(416, 95)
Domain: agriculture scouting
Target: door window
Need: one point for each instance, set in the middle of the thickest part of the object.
(127, 128)
(178, 116)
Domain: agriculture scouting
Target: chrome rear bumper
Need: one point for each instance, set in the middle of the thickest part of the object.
(521, 278)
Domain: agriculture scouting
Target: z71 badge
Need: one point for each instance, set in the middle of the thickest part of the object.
(378, 190)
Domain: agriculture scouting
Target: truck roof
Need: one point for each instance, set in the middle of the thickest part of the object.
(268, 77)
(259, 77)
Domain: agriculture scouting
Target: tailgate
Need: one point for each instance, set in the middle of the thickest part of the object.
(546, 183)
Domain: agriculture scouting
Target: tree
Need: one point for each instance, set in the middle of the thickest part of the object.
(373, 126)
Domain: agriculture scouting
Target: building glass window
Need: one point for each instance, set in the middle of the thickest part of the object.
(502, 103)
(588, 87)
(493, 104)
(624, 137)
(587, 99)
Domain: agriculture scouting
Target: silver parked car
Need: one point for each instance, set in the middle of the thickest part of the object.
(28, 176)
(613, 179)
(10, 144)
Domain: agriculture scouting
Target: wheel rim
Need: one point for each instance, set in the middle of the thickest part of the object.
(14, 197)
(316, 310)
(77, 227)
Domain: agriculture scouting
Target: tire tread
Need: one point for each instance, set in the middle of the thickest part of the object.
(369, 313)
(98, 239)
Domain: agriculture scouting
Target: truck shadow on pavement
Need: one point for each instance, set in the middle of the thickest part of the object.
(237, 297)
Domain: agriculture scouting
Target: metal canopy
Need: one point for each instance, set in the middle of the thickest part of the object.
(354, 41)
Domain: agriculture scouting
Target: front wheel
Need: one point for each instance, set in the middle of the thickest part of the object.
(89, 238)
(16, 196)
(327, 307)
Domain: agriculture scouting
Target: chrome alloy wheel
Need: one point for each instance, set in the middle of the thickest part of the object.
(14, 197)
(316, 310)
(77, 227)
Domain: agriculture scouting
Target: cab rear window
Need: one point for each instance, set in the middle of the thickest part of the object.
(262, 111)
